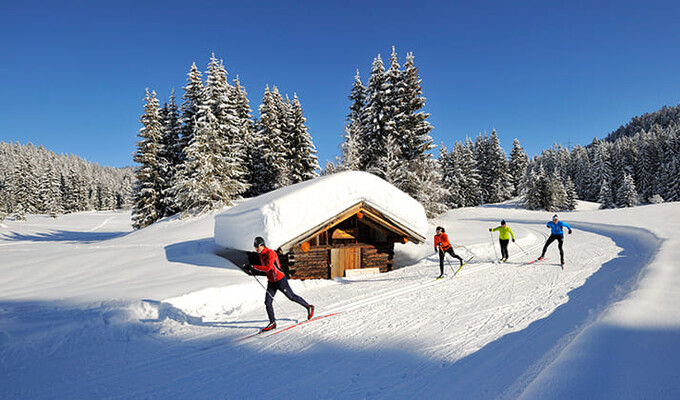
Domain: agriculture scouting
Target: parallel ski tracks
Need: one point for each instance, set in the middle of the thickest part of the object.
(340, 309)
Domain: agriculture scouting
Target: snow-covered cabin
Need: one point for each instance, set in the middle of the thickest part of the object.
(321, 228)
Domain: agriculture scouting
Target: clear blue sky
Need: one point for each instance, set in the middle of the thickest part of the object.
(74, 72)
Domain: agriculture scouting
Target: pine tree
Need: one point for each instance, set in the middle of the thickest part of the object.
(354, 131)
(470, 186)
(517, 165)
(606, 198)
(414, 128)
(246, 130)
(212, 174)
(532, 188)
(572, 196)
(50, 192)
(270, 171)
(170, 154)
(193, 92)
(627, 195)
(374, 138)
(451, 175)
(147, 192)
(304, 163)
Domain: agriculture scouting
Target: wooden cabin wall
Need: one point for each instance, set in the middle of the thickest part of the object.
(313, 264)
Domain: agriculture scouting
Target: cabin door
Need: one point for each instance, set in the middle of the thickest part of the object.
(344, 258)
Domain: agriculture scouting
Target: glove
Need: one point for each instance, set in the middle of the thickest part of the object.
(248, 269)
(570, 231)
(513, 240)
(490, 230)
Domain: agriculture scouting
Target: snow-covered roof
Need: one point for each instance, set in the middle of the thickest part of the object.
(287, 213)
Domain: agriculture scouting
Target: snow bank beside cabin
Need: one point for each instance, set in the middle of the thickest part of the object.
(284, 214)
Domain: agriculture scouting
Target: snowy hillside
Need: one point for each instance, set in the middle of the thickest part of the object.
(91, 309)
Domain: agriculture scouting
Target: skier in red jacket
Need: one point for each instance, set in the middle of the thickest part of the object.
(277, 280)
(441, 243)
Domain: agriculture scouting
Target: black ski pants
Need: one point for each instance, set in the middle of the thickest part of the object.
(560, 242)
(504, 248)
(284, 286)
(442, 254)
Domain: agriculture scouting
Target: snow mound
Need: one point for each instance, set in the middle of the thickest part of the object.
(282, 215)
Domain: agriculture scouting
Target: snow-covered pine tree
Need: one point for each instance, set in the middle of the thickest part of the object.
(627, 195)
(304, 164)
(50, 192)
(19, 212)
(572, 196)
(170, 153)
(374, 138)
(148, 205)
(414, 128)
(193, 93)
(606, 198)
(451, 175)
(27, 184)
(602, 170)
(270, 170)
(580, 172)
(533, 188)
(556, 196)
(212, 172)
(246, 129)
(517, 165)
(471, 190)
(354, 131)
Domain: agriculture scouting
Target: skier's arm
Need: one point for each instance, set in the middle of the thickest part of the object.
(268, 264)
(511, 234)
(568, 227)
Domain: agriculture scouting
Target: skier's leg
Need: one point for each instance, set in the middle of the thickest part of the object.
(284, 286)
(441, 262)
(547, 243)
(560, 242)
(454, 255)
(504, 248)
(269, 300)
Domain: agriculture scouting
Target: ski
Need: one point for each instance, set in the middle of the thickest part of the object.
(461, 266)
(534, 261)
(283, 329)
(277, 331)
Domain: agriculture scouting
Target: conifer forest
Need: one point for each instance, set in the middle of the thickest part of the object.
(207, 149)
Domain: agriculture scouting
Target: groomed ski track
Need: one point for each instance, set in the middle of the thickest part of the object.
(487, 333)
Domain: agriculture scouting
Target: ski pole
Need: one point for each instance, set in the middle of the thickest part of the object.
(493, 245)
(261, 285)
(452, 270)
(520, 247)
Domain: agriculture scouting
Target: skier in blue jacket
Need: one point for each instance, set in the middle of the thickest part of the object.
(556, 233)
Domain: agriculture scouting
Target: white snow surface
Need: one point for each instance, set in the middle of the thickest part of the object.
(90, 309)
(282, 215)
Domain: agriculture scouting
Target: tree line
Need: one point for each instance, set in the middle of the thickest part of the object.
(210, 150)
(387, 132)
(637, 164)
(36, 180)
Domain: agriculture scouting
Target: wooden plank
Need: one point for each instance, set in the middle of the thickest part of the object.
(361, 271)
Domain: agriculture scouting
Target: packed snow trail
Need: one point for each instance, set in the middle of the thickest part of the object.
(494, 331)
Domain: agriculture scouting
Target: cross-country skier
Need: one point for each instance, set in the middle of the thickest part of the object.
(277, 280)
(557, 233)
(504, 239)
(443, 246)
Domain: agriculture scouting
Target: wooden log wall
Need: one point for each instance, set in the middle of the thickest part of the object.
(313, 264)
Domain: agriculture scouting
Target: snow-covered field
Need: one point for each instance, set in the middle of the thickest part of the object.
(91, 309)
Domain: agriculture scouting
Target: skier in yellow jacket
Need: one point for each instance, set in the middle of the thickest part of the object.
(504, 239)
